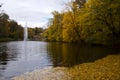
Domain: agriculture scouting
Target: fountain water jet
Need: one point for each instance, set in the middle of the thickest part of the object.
(25, 33)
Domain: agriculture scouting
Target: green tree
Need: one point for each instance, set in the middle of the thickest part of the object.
(9, 29)
(4, 25)
(105, 16)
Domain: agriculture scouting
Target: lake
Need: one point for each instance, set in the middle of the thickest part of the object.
(19, 57)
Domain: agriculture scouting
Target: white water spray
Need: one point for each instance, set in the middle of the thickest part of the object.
(25, 33)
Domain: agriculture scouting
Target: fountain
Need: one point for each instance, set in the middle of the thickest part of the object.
(25, 33)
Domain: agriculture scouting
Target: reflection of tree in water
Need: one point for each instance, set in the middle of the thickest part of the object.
(3, 58)
(7, 53)
(54, 51)
(3, 62)
(63, 54)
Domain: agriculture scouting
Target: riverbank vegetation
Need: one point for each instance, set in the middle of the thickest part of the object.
(103, 69)
(86, 21)
(9, 29)
(35, 33)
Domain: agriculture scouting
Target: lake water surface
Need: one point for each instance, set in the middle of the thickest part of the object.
(19, 57)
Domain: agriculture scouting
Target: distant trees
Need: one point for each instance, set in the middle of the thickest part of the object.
(90, 21)
(9, 29)
(16, 31)
(35, 33)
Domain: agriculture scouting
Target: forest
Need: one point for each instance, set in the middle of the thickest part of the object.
(9, 29)
(86, 21)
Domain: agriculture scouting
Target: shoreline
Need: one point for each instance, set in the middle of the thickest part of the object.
(102, 69)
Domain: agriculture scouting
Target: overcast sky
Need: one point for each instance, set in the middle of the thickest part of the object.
(35, 12)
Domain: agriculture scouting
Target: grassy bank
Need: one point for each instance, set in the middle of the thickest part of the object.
(5, 39)
(107, 68)
(9, 39)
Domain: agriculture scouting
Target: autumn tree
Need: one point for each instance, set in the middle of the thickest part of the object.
(90, 21)
(71, 25)
(54, 32)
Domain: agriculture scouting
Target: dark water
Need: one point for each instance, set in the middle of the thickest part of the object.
(19, 57)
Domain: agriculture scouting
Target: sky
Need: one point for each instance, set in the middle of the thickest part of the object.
(33, 12)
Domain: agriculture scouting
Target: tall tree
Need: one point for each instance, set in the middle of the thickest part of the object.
(54, 32)
(107, 12)
(71, 24)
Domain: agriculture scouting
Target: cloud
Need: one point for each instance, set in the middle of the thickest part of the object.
(35, 12)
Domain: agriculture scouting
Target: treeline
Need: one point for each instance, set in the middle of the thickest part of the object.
(35, 33)
(9, 29)
(88, 21)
